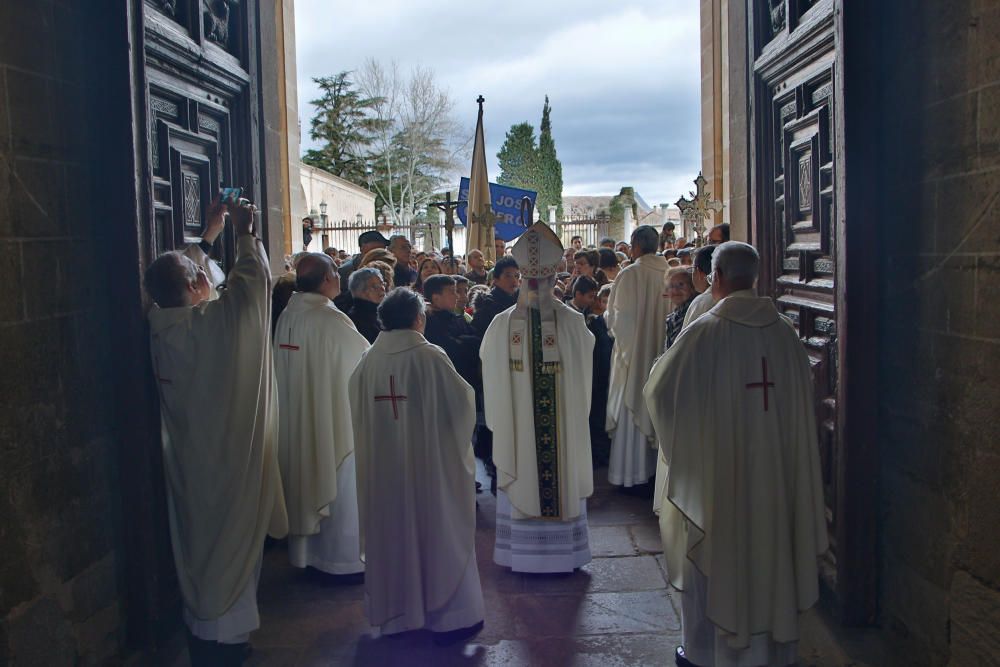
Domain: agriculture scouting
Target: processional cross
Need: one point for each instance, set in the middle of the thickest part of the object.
(763, 384)
(392, 396)
(449, 206)
(699, 208)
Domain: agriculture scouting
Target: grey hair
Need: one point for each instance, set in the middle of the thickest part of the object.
(739, 262)
(646, 239)
(358, 282)
(167, 279)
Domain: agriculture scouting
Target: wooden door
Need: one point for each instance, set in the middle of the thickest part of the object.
(201, 95)
(799, 227)
(196, 105)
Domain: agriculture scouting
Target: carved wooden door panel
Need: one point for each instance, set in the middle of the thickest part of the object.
(798, 228)
(195, 92)
(200, 91)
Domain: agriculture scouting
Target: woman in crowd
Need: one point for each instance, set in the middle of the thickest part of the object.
(428, 267)
(378, 255)
(678, 287)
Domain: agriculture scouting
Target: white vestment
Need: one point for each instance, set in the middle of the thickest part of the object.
(413, 415)
(219, 431)
(215, 275)
(635, 315)
(316, 348)
(551, 544)
(702, 303)
(744, 500)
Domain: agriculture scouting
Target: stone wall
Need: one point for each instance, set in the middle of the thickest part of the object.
(940, 331)
(59, 594)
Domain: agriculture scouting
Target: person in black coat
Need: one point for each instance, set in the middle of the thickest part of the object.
(450, 331)
(506, 280)
(600, 443)
(367, 291)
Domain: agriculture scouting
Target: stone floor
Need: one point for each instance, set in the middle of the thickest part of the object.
(616, 611)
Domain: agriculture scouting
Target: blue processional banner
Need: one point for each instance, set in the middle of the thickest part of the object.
(506, 203)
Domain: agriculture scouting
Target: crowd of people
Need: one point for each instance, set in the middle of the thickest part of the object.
(343, 405)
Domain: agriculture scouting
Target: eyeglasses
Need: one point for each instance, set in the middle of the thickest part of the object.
(677, 286)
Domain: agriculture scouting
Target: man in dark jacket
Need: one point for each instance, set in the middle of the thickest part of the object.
(449, 330)
(506, 280)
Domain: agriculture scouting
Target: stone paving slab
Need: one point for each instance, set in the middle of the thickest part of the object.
(646, 536)
(594, 614)
(611, 541)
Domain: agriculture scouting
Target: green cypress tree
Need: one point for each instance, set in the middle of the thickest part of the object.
(550, 181)
(518, 158)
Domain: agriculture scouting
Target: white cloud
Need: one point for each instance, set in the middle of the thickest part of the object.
(623, 78)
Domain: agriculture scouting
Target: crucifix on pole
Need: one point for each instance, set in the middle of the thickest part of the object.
(699, 208)
(449, 206)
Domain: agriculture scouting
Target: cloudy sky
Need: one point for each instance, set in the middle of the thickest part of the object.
(622, 77)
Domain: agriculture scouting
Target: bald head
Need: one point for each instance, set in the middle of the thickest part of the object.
(315, 272)
(734, 267)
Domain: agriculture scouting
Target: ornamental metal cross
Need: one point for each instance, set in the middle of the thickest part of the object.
(392, 396)
(449, 206)
(700, 207)
(763, 384)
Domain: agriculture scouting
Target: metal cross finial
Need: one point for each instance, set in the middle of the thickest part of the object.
(700, 207)
(480, 100)
(449, 206)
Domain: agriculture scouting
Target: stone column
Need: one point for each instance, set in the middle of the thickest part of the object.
(628, 224)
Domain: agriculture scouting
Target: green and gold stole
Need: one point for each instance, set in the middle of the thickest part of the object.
(546, 433)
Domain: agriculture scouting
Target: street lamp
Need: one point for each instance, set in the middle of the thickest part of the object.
(322, 213)
(360, 218)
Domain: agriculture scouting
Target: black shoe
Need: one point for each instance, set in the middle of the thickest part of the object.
(456, 636)
(681, 658)
(493, 486)
(479, 487)
(214, 654)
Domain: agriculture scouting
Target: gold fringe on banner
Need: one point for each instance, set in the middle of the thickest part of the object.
(516, 365)
(550, 367)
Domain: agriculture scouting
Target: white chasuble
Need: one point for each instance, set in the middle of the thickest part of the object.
(732, 401)
(635, 315)
(413, 415)
(316, 348)
(219, 429)
(536, 534)
(702, 303)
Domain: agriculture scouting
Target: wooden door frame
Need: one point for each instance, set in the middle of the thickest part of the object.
(152, 604)
(856, 298)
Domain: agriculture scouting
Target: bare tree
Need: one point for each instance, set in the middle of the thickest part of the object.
(419, 146)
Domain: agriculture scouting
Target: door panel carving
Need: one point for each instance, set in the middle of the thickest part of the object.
(797, 173)
(796, 226)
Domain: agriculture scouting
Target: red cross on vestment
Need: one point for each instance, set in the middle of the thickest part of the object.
(763, 384)
(392, 396)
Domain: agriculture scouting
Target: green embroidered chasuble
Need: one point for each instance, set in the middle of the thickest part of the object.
(543, 382)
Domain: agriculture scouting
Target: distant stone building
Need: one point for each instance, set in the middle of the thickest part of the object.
(333, 202)
(591, 215)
